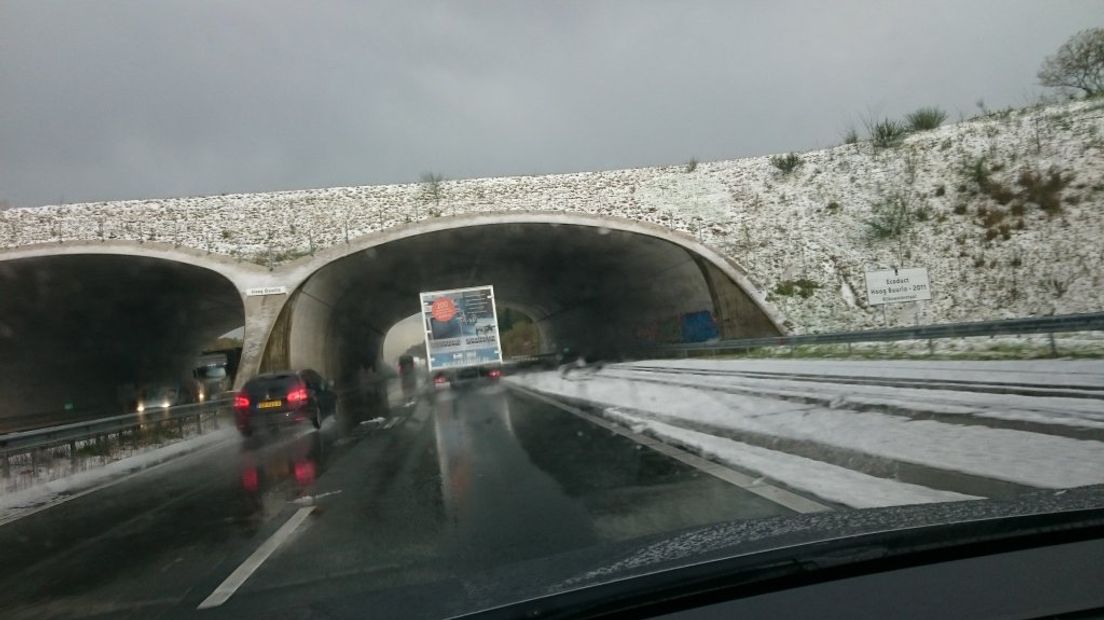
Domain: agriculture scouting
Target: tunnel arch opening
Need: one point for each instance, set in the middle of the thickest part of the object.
(79, 333)
(591, 284)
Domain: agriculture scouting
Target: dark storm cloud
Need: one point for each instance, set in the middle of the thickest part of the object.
(113, 100)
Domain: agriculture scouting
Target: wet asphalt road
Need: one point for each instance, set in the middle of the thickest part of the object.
(466, 501)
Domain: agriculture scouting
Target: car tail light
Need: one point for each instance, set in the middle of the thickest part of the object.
(440, 379)
(305, 472)
(241, 402)
(298, 395)
(494, 373)
(251, 481)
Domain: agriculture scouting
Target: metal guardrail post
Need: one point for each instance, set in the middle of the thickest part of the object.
(1053, 346)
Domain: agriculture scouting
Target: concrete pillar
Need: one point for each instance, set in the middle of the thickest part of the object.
(262, 339)
(737, 315)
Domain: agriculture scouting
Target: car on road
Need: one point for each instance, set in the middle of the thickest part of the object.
(211, 377)
(154, 396)
(288, 396)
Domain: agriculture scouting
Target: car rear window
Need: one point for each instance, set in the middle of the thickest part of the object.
(275, 384)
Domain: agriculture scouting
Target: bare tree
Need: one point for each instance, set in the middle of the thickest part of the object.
(1079, 63)
(433, 190)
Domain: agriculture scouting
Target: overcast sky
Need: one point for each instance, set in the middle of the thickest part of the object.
(115, 100)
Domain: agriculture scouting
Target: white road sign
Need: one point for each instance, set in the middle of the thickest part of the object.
(265, 290)
(891, 286)
(461, 327)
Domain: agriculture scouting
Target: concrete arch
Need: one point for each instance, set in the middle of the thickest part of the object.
(317, 289)
(241, 275)
(302, 269)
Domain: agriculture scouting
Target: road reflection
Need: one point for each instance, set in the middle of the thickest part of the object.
(496, 502)
(278, 470)
(283, 466)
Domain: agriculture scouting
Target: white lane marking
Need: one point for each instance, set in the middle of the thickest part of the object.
(227, 588)
(107, 485)
(779, 496)
(311, 500)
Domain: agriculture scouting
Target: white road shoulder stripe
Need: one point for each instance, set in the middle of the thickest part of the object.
(227, 588)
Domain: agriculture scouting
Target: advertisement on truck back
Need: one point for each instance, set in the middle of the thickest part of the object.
(461, 327)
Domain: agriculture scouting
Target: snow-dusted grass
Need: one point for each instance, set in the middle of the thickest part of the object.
(830, 482)
(776, 226)
(17, 503)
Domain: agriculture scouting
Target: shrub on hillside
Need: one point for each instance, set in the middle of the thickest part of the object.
(786, 163)
(886, 132)
(802, 287)
(926, 118)
(891, 218)
(977, 170)
(1001, 193)
(1043, 189)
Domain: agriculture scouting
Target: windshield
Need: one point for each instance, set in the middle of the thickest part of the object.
(213, 372)
(426, 308)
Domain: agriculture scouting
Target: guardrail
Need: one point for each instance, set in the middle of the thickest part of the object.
(69, 437)
(1092, 321)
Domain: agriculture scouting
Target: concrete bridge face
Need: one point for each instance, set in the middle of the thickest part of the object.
(91, 316)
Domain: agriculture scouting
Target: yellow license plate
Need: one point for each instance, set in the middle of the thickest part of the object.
(269, 404)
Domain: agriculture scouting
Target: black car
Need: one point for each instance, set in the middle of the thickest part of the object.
(281, 397)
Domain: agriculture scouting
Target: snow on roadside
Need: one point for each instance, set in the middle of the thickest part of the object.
(1031, 459)
(827, 481)
(1063, 411)
(13, 505)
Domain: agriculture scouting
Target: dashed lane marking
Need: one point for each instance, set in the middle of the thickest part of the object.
(230, 585)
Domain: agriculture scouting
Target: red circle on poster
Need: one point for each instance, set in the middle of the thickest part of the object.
(443, 309)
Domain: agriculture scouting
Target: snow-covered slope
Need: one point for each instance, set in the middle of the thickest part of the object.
(973, 218)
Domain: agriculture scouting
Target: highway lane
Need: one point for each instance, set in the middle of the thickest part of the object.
(421, 518)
